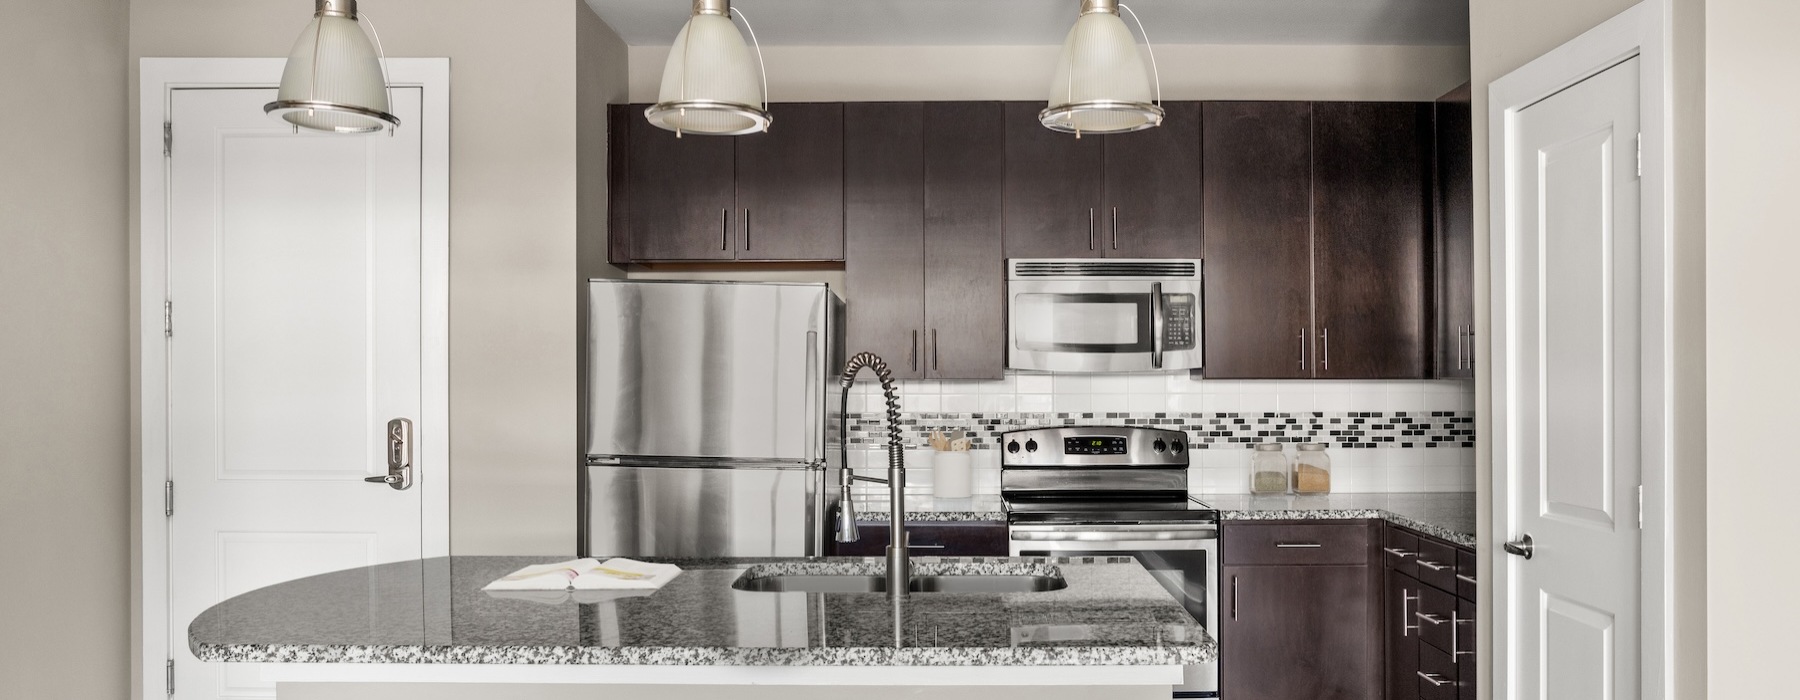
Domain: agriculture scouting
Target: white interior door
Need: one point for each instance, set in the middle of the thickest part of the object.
(1573, 383)
(294, 275)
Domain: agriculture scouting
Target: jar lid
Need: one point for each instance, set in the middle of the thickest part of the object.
(1268, 447)
(1312, 446)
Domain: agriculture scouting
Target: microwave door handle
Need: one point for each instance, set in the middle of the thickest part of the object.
(1156, 325)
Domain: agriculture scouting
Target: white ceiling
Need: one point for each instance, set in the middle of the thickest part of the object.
(1040, 22)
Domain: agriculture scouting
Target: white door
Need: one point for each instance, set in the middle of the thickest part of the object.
(1574, 349)
(294, 280)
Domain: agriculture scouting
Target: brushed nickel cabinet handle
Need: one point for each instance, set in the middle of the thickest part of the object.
(745, 224)
(1090, 228)
(1406, 624)
(1115, 228)
(1434, 679)
(1298, 545)
(1325, 349)
(1398, 552)
(934, 350)
(1466, 577)
(1434, 566)
(724, 229)
(912, 351)
(1428, 617)
(1303, 349)
(1234, 598)
(1454, 650)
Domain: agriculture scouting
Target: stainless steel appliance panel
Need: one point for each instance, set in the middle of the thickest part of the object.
(746, 511)
(1104, 315)
(711, 370)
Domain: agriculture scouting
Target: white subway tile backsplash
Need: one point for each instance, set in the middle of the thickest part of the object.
(1038, 403)
(1035, 383)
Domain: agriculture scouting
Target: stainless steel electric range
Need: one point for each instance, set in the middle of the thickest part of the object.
(1117, 491)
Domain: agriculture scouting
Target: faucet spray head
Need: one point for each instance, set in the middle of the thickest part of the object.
(846, 525)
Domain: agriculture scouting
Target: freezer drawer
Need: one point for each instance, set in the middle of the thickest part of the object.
(699, 511)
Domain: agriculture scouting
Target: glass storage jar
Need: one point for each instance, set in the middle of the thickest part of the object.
(1312, 469)
(1268, 469)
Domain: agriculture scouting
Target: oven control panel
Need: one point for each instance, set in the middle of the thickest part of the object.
(1178, 322)
(1094, 446)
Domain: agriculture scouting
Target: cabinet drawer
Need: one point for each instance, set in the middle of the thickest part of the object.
(1437, 564)
(1288, 543)
(1465, 574)
(1438, 677)
(1436, 618)
(950, 539)
(1400, 550)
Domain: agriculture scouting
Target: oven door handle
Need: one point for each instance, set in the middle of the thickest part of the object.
(1112, 533)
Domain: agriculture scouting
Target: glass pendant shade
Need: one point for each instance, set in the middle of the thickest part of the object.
(1101, 85)
(333, 80)
(710, 84)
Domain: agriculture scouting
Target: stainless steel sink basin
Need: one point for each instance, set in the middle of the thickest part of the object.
(851, 583)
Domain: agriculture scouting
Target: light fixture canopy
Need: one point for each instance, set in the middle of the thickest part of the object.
(708, 85)
(334, 80)
(1100, 85)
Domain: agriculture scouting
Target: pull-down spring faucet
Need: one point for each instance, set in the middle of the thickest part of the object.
(899, 568)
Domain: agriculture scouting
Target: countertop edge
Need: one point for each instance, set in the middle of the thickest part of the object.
(707, 656)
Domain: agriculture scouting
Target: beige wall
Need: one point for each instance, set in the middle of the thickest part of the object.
(514, 201)
(1189, 72)
(600, 57)
(64, 388)
(1753, 164)
(1504, 35)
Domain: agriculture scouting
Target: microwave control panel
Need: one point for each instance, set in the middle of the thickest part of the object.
(1179, 320)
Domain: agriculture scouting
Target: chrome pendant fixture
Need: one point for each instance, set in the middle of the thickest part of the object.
(1100, 85)
(335, 81)
(708, 85)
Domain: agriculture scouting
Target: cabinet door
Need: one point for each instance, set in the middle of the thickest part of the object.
(1256, 208)
(884, 232)
(1371, 193)
(1455, 277)
(790, 185)
(1298, 633)
(1053, 188)
(681, 193)
(1153, 188)
(1400, 630)
(964, 271)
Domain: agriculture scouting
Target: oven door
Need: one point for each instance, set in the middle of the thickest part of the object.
(1183, 557)
(1103, 325)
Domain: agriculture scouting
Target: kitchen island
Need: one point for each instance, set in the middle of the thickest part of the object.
(1107, 622)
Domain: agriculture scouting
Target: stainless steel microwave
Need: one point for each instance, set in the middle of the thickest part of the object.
(1087, 315)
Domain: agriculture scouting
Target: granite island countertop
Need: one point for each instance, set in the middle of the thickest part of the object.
(981, 507)
(433, 611)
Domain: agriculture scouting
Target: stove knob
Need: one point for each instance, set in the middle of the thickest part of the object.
(1159, 446)
(1030, 445)
(1177, 447)
(1013, 447)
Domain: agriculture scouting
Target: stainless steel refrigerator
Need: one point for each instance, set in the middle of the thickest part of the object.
(709, 432)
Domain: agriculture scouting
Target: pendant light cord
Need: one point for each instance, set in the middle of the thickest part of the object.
(387, 83)
(759, 57)
(1154, 73)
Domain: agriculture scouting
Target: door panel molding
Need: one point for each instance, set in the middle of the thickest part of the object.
(1639, 32)
(158, 79)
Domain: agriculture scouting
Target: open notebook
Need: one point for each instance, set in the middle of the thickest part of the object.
(616, 574)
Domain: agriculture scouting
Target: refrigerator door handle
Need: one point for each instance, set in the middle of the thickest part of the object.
(815, 423)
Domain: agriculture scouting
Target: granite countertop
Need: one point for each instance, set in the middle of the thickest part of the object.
(1449, 516)
(986, 507)
(1113, 613)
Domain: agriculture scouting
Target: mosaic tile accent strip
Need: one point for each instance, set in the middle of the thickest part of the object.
(1356, 429)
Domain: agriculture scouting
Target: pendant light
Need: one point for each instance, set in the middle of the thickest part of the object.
(335, 81)
(1100, 85)
(708, 85)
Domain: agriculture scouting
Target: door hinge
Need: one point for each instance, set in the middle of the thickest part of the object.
(1640, 154)
(1640, 506)
(168, 138)
(169, 498)
(169, 678)
(168, 319)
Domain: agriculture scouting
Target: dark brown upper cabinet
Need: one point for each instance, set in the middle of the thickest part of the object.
(770, 196)
(922, 213)
(1258, 248)
(1455, 279)
(1372, 208)
(1116, 195)
(1317, 232)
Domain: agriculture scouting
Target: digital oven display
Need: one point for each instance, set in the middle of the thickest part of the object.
(1094, 446)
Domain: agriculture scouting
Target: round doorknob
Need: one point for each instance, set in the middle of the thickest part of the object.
(1520, 547)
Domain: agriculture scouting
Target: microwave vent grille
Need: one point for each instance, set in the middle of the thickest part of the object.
(1102, 268)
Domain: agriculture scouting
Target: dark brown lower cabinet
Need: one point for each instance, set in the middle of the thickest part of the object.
(1400, 634)
(1295, 630)
(931, 539)
(1428, 621)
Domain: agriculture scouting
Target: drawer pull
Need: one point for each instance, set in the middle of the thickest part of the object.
(1398, 552)
(924, 546)
(1466, 577)
(1406, 625)
(1433, 679)
(1428, 617)
(1456, 651)
(1298, 545)
(1434, 566)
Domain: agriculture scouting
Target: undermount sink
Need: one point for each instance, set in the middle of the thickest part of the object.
(852, 578)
